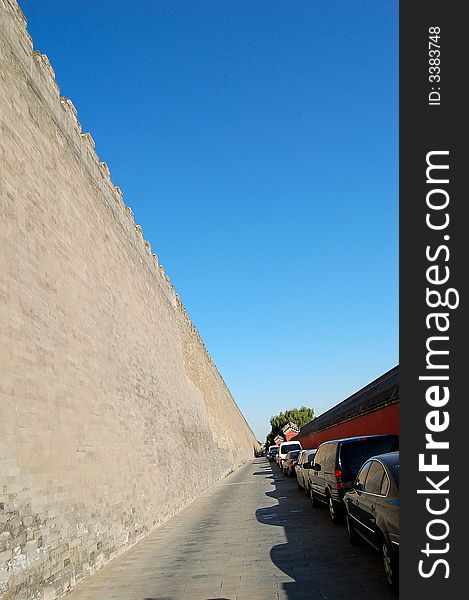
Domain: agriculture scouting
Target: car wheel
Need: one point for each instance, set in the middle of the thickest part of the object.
(314, 500)
(390, 566)
(352, 534)
(334, 512)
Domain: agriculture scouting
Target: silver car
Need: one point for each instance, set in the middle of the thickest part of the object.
(302, 478)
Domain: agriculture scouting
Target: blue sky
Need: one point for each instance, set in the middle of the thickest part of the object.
(256, 142)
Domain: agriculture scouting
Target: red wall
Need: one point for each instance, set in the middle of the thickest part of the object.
(383, 420)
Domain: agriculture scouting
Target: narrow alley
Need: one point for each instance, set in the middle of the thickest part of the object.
(252, 536)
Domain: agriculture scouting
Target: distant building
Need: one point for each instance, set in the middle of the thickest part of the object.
(373, 409)
(290, 430)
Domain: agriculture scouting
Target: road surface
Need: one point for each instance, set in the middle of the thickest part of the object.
(252, 536)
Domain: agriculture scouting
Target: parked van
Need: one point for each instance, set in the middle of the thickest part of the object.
(336, 464)
(284, 448)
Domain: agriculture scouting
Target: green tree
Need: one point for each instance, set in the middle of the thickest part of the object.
(298, 416)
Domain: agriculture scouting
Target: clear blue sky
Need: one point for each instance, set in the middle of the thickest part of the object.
(256, 142)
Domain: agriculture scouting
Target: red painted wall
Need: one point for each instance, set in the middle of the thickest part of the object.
(383, 420)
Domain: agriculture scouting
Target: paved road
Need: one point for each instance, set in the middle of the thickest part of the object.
(253, 536)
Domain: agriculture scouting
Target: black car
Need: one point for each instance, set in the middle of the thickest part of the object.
(272, 453)
(336, 465)
(372, 510)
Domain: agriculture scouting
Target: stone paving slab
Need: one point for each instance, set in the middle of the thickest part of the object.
(253, 536)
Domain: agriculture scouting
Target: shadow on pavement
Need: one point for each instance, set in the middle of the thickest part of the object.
(267, 476)
(317, 558)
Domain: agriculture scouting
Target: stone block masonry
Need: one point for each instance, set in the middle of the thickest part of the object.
(113, 415)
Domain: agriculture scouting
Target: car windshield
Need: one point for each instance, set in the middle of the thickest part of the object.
(354, 454)
(294, 454)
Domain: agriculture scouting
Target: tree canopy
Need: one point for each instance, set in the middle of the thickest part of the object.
(298, 416)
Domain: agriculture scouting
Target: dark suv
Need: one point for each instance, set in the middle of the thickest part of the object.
(336, 465)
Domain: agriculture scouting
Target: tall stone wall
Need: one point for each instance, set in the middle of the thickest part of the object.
(113, 416)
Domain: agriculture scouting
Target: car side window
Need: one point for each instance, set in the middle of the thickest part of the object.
(384, 486)
(329, 454)
(327, 457)
(375, 478)
(319, 456)
(361, 477)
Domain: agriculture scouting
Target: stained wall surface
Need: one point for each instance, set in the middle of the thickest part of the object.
(113, 416)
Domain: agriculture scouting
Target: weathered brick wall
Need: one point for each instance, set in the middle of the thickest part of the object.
(98, 358)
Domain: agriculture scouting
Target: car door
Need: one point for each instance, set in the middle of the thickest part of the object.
(329, 468)
(354, 499)
(314, 475)
(371, 499)
(308, 458)
(323, 475)
(300, 474)
(287, 463)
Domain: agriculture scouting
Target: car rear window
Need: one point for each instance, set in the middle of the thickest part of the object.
(290, 447)
(354, 454)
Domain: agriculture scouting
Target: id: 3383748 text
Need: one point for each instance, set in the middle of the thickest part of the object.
(434, 66)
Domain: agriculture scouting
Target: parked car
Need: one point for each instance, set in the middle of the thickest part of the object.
(372, 510)
(305, 457)
(336, 465)
(272, 453)
(290, 462)
(283, 450)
